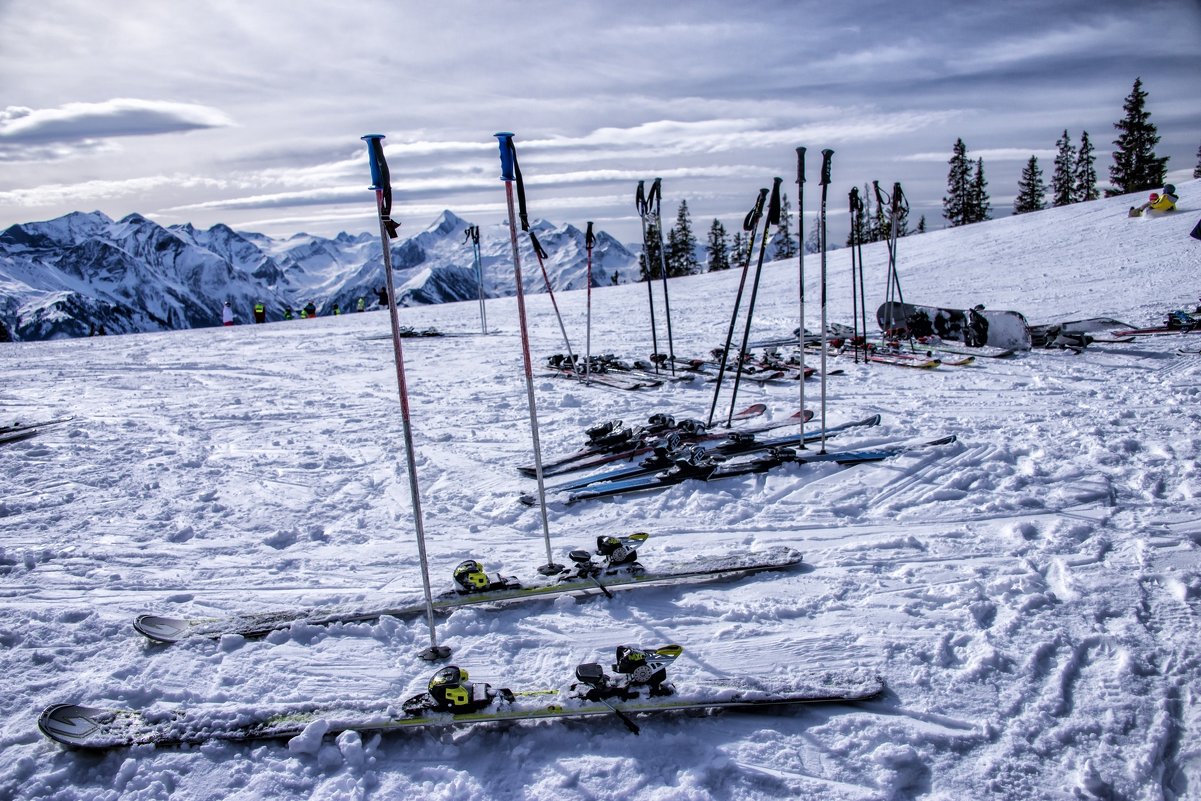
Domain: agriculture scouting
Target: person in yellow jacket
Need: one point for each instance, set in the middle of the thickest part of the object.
(1165, 201)
(260, 313)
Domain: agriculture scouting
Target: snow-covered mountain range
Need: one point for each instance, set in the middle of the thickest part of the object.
(84, 271)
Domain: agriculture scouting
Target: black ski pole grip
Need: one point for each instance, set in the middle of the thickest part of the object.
(655, 197)
(640, 199)
(827, 156)
(879, 194)
(752, 216)
(773, 208)
(589, 238)
(856, 203)
(800, 165)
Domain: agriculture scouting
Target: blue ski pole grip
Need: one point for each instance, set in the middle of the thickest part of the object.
(827, 156)
(506, 155)
(800, 165)
(375, 152)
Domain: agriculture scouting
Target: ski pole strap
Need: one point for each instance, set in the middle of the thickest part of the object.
(899, 201)
(800, 165)
(773, 207)
(589, 238)
(879, 195)
(537, 246)
(653, 199)
(640, 199)
(472, 235)
(510, 170)
(827, 156)
(381, 180)
(752, 217)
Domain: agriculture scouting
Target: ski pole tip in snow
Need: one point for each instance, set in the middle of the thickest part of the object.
(505, 139)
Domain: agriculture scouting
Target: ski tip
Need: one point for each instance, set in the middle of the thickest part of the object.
(70, 724)
(161, 629)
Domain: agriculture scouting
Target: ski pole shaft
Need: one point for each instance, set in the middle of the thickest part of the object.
(507, 169)
(854, 210)
(827, 156)
(751, 224)
(654, 202)
(800, 180)
(589, 241)
(381, 184)
(772, 218)
(645, 263)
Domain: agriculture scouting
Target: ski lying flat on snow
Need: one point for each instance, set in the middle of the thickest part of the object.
(715, 471)
(23, 431)
(99, 728)
(734, 446)
(170, 629)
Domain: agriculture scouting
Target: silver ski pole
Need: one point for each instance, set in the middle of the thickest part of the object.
(508, 171)
(827, 155)
(381, 183)
(800, 180)
(589, 241)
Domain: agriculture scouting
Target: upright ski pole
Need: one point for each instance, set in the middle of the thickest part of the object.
(589, 242)
(856, 206)
(644, 262)
(382, 184)
(473, 236)
(653, 202)
(510, 172)
(751, 224)
(827, 155)
(773, 218)
(541, 256)
(800, 181)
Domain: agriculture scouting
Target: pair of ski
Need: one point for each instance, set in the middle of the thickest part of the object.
(611, 441)
(607, 379)
(618, 569)
(709, 470)
(671, 450)
(639, 687)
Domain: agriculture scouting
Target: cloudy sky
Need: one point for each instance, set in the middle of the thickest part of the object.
(250, 113)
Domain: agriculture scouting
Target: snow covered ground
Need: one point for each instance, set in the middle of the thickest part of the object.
(1030, 594)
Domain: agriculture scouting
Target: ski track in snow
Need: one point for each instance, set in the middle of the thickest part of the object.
(1030, 593)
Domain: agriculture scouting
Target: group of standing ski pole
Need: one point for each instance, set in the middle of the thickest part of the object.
(751, 226)
(764, 214)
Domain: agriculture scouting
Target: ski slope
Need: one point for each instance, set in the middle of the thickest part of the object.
(1030, 594)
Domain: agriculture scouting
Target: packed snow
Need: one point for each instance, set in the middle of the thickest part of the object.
(1029, 594)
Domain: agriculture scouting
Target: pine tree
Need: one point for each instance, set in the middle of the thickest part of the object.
(979, 207)
(921, 225)
(956, 205)
(1135, 166)
(880, 226)
(718, 247)
(738, 249)
(1085, 173)
(1063, 183)
(650, 267)
(813, 242)
(785, 245)
(1031, 189)
(681, 245)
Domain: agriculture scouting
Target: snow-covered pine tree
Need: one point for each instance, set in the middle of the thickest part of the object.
(956, 205)
(921, 225)
(718, 247)
(785, 246)
(1135, 166)
(1031, 189)
(1085, 172)
(1063, 180)
(979, 207)
(738, 248)
(681, 245)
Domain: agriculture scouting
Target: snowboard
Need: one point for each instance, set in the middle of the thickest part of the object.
(999, 329)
